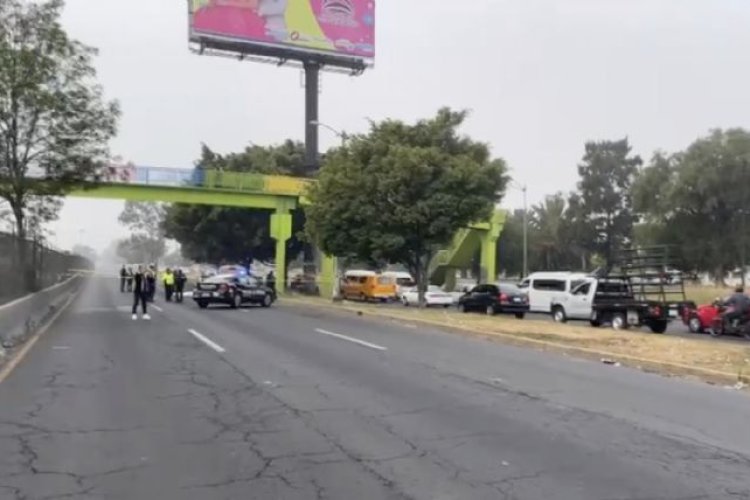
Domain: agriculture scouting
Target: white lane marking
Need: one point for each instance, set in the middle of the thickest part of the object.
(210, 343)
(157, 308)
(350, 339)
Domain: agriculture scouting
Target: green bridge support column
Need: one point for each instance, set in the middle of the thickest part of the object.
(488, 259)
(327, 276)
(281, 231)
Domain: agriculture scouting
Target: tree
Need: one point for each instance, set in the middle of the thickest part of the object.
(606, 176)
(550, 238)
(402, 191)
(147, 240)
(213, 234)
(698, 200)
(140, 249)
(54, 121)
(510, 245)
(84, 251)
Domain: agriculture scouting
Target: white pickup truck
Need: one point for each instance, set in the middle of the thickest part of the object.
(610, 300)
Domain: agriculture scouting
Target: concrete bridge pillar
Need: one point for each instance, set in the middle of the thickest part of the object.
(488, 248)
(281, 231)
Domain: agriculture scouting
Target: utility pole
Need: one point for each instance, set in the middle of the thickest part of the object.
(525, 234)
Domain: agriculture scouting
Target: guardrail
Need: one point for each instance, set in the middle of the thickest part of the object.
(21, 318)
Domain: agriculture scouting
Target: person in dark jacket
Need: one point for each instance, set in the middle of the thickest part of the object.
(740, 306)
(130, 279)
(140, 293)
(123, 277)
(179, 283)
(151, 282)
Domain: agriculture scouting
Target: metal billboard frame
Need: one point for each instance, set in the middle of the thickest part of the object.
(312, 61)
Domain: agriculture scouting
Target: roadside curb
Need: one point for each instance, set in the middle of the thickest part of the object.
(9, 365)
(643, 364)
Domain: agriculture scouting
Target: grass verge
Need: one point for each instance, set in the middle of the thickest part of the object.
(721, 362)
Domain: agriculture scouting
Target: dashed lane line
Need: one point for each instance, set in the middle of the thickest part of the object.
(210, 343)
(351, 339)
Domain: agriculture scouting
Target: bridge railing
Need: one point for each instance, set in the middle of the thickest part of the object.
(210, 179)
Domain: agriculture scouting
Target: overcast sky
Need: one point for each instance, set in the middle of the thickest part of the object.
(541, 77)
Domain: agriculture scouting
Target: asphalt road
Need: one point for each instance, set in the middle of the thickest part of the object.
(292, 403)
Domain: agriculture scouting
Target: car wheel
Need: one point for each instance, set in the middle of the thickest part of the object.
(619, 322)
(659, 326)
(558, 314)
(267, 301)
(236, 301)
(694, 325)
(202, 304)
(446, 306)
(405, 302)
(520, 315)
(490, 310)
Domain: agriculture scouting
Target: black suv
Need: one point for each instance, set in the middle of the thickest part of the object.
(233, 291)
(494, 299)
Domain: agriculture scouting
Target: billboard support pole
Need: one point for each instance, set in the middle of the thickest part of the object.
(312, 88)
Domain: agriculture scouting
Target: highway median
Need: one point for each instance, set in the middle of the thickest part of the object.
(718, 362)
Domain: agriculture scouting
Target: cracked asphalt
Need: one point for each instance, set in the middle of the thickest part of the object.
(107, 408)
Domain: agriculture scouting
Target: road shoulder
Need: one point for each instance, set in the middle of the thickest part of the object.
(720, 363)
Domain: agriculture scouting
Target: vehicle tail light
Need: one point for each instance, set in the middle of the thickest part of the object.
(655, 311)
(223, 288)
(503, 297)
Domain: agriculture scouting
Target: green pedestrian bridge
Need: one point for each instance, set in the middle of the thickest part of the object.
(279, 195)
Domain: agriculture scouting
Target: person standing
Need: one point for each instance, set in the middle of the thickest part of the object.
(123, 277)
(140, 293)
(271, 281)
(151, 282)
(179, 282)
(168, 284)
(130, 279)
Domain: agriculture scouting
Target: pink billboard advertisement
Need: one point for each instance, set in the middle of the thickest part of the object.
(334, 27)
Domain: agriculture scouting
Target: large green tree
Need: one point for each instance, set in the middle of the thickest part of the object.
(699, 200)
(54, 120)
(214, 233)
(510, 245)
(606, 177)
(147, 240)
(400, 192)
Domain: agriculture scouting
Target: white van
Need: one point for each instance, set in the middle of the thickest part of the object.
(543, 287)
(403, 280)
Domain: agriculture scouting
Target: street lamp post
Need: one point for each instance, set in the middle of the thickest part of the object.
(335, 292)
(342, 135)
(525, 235)
(524, 188)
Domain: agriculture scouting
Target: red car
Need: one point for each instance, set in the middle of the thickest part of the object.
(699, 319)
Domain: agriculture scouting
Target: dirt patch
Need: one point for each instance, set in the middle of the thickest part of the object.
(719, 361)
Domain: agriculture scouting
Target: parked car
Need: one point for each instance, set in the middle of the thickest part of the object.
(402, 279)
(700, 319)
(367, 285)
(232, 290)
(495, 299)
(543, 287)
(434, 296)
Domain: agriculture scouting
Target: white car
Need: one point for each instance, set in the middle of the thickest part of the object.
(434, 296)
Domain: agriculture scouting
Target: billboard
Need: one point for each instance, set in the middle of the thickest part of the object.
(334, 29)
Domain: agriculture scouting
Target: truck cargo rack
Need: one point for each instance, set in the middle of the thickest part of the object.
(653, 273)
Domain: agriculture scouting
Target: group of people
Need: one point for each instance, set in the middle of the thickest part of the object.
(142, 283)
(174, 284)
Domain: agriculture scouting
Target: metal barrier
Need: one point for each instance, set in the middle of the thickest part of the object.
(21, 318)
